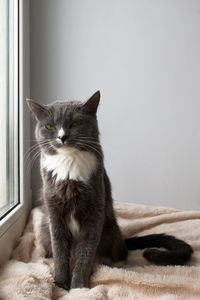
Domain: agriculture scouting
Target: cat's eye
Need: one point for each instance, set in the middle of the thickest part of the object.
(50, 127)
(76, 124)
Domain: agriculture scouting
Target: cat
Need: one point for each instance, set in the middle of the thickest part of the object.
(79, 221)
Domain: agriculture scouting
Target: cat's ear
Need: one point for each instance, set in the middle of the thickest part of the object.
(92, 103)
(39, 111)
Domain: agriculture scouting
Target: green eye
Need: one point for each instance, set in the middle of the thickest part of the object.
(50, 127)
(76, 124)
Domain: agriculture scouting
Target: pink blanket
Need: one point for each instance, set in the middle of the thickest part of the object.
(28, 275)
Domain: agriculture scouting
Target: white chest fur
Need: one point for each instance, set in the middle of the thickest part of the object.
(70, 163)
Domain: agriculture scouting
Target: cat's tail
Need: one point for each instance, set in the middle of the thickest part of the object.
(177, 251)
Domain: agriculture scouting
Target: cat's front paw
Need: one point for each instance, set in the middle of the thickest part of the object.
(63, 285)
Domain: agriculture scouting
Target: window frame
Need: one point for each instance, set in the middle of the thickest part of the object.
(13, 222)
(12, 111)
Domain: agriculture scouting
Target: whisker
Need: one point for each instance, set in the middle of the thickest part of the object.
(32, 148)
(30, 151)
(33, 160)
(85, 141)
(36, 155)
(86, 137)
(85, 145)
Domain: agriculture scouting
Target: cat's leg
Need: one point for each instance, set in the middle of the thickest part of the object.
(61, 240)
(85, 251)
(45, 238)
(111, 246)
(119, 249)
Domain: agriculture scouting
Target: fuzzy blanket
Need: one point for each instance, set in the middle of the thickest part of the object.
(28, 275)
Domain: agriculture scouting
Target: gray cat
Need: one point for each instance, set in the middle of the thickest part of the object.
(79, 220)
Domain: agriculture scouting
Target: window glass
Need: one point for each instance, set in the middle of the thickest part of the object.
(9, 179)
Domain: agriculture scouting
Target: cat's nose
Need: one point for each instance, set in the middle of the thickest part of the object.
(63, 138)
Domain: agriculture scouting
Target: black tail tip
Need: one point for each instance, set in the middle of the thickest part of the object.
(167, 257)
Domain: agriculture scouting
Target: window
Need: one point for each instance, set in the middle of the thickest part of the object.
(15, 194)
(9, 145)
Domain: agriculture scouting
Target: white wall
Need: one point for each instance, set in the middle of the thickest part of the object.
(144, 56)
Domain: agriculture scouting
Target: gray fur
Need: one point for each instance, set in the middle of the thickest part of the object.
(91, 203)
(99, 237)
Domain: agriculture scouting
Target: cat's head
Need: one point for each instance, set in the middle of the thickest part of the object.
(66, 124)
